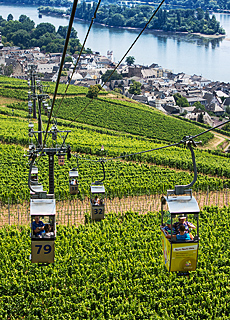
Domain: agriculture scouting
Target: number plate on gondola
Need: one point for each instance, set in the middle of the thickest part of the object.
(42, 251)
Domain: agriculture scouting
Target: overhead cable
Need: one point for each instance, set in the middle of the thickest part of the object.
(183, 141)
(131, 154)
(155, 12)
(145, 151)
(215, 127)
(61, 66)
(82, 48)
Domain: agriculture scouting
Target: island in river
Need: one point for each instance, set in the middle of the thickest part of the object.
(179, 21)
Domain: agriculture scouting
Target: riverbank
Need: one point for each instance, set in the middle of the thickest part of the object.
(152, 31)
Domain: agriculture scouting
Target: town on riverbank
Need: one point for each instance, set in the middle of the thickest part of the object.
(191, 96)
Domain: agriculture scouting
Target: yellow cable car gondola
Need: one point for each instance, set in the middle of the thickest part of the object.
(180, 247)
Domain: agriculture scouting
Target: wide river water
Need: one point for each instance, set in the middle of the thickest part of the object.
(209, 58)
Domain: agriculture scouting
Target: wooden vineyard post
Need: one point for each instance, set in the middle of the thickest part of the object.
(74, 210)
(77, 209)
(63, 212)
(22, 206)
(28, 212)
(9, 210)
(140, 202)
(83, 202)
(18, 211)
(207, 196)
(58, 213)
(68, 210)
(148, 201)
(70, 213)
(226, 196)
(130, 204)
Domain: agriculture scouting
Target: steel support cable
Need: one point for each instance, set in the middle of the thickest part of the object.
(155, 12)
(86, 37)
(213, 128)
(145, 151)
(132, 154)
(60, 69)
(183, 141)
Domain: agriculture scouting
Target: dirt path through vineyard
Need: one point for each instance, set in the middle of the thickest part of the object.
(219, 140)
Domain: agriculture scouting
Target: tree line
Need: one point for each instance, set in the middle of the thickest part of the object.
(24, 34)
(177, 20)
(204, 4)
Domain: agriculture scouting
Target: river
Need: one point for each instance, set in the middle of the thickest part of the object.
(209, 58)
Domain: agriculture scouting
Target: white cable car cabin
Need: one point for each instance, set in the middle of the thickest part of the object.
(179, 255)
(97, 196)
(73, 183)
(43, 230)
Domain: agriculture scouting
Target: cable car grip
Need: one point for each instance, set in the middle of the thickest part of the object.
(190, 143)
(102, 161)
(41, 194)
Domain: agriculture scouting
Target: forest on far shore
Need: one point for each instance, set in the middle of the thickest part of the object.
(24, 34)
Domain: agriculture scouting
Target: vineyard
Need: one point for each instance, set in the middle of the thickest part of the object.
(114, 270)
(9, 87)
(128, 117)
(122, 178)
(124, 117)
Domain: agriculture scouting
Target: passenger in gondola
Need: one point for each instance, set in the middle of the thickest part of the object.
(96, 201)
(167, 228)
(38, 227)
(73, 182)
(182, 221)
(182, 236)
(48, 233)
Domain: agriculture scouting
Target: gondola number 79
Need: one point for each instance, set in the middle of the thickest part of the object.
(47, 248)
